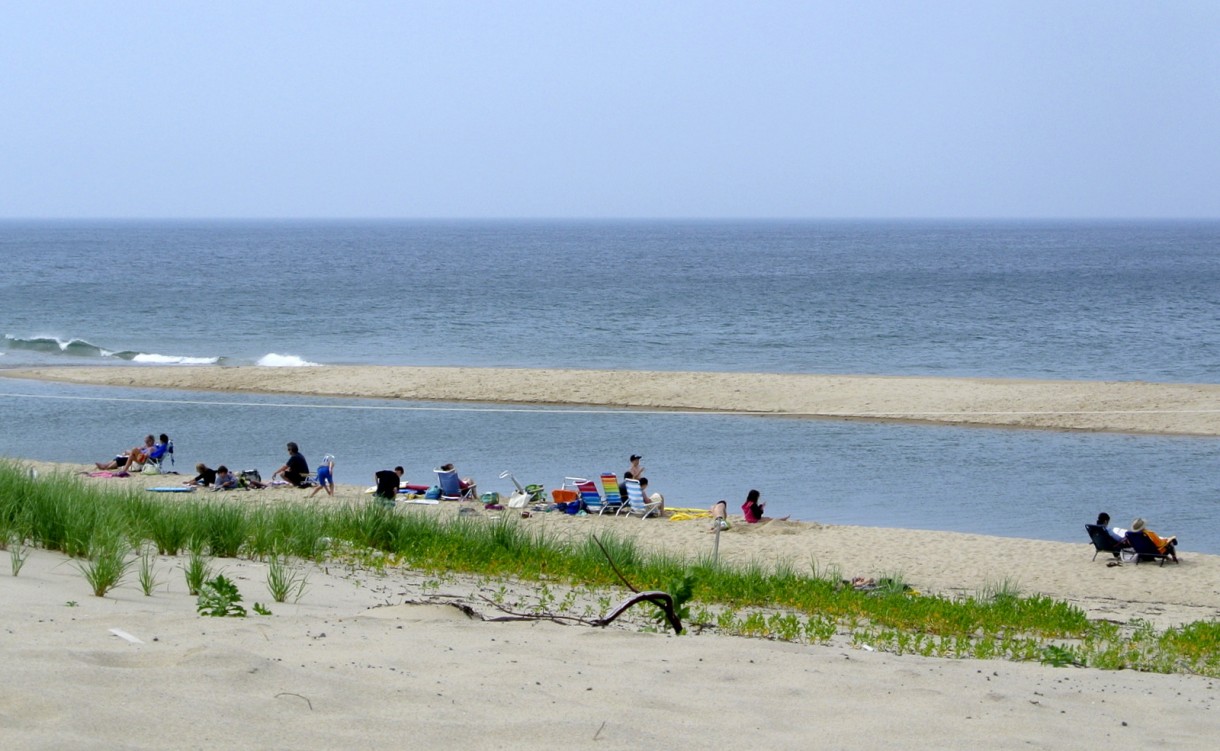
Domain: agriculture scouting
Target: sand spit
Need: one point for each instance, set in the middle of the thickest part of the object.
(1134, 407)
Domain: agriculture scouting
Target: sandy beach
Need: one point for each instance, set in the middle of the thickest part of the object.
(1133, 407)
(375, 658)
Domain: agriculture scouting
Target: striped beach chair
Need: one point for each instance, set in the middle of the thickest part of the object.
(614, 500)
(637, 504)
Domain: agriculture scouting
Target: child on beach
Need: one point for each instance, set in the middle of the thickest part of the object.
(204, 476)
(225, 479)
(753, 509)
(720, 515)
(326, 476)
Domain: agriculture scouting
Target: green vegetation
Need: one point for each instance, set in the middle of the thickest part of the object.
(766, 600)
(283, 581)
(220, 598)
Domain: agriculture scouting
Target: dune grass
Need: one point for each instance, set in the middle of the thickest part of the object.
(766, 599)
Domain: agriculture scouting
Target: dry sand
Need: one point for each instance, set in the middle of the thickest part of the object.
(371, 660)
(1136, 407)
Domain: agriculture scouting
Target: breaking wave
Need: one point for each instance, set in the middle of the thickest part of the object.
(81, 348)
(273, 360)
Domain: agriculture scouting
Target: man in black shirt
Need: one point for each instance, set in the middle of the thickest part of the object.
(295, 470)
(387, 483)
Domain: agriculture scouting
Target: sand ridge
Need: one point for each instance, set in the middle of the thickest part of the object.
(1136, 407)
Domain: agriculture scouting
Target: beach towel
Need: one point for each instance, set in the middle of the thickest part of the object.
(107, 473)
(175, 489)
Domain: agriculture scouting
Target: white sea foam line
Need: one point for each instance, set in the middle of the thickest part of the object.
(609, 410)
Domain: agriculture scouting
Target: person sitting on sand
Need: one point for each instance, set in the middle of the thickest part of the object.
(1164, 546)
(204, 476)
(720, 515)
(753, 509)
(326, 476)
(295, 469)
(388, 483)
(225, 480)
(1118, 534)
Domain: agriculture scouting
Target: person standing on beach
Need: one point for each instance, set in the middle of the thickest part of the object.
(295, 469)
(326, 476)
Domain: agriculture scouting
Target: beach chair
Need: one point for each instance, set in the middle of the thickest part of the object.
(1144, 550)
(589, 497)
(1104, 542)
(156, 459)
(451, 486)
(637, 504)
(614, 499)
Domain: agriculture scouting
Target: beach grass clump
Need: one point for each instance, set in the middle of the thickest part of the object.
(17, 553)
(223, 527)
(284, 581)
(147, 573)
(197, 569)
(168, 525)
(107, 562)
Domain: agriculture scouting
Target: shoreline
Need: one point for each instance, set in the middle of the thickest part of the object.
(1097, 406)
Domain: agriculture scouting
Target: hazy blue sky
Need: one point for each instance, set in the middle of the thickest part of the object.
(610, 109)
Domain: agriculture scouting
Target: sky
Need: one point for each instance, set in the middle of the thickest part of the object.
(619, 109)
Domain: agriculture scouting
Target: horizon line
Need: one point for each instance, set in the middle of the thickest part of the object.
(338, 218)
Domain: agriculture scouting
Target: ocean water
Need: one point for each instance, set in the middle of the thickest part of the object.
(1116, 301)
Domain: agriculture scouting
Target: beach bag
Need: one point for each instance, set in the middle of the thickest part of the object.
(489, 498)
(433, 493)
(151, 469)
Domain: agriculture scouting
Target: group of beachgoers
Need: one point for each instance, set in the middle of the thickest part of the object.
(1121, 538)
(388, 483)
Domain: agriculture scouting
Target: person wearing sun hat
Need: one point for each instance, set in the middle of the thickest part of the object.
(1163, 545)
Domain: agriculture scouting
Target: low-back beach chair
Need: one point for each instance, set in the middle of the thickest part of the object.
(156, 458)
(451, 486)
(1144, 550)
(1103, 541)
(637, 504)
(589, 497)
(614, 499)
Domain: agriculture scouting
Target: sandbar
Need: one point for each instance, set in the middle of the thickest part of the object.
(1114, 406)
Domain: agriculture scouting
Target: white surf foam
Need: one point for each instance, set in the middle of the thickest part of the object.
(273, 360)
(174, 360)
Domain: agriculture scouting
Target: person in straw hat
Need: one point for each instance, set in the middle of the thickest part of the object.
(1163, 545)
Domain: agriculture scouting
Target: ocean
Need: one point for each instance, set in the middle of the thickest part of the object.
(1063, 300)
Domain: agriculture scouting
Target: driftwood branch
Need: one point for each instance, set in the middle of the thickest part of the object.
(662, 600)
